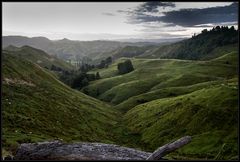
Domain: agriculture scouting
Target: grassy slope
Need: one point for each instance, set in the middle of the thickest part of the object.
(155, 74)
(38, 56)
(36, 106)
(175, 91)
(200, 47)
(162, 93)
(209, 115)
(197, 98)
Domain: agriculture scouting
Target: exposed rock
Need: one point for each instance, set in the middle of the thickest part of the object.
(17, 81)
(57, 150)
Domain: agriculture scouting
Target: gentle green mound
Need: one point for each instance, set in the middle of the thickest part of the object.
(36, 106)
(165, 99)
(208, 115)
(157, 76)
(162, 93)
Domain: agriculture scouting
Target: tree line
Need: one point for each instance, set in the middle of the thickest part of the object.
(80, 78)
(76, 78)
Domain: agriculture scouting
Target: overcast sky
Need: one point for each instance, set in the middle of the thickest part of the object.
(115, 20)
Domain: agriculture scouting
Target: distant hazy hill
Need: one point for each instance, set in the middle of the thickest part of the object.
(127, 51)
(65, 48)
(199, 47)
(37, 56)
(204, 46)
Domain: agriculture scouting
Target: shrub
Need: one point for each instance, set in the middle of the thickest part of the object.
(125, 67)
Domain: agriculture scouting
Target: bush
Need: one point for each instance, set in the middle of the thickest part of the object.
(125, 67)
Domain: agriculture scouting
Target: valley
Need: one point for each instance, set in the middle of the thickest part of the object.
(168, 94)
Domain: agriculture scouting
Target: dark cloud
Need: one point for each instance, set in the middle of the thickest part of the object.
(192, 17)
(153, 5)
(108, 14)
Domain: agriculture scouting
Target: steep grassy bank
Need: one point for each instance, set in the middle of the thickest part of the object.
(36, 106)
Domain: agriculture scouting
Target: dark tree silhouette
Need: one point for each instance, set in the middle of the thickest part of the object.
(125, 67)
(97, 75)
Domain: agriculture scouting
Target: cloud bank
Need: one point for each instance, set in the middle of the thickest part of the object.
(186, 17)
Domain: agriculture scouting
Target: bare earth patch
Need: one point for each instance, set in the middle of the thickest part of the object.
(17, 81)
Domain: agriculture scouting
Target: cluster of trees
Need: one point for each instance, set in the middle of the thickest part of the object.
(86, 67)
(125, 67)
(83, 79)
(199, 46)
(78, 79)
(218, 29)
(104, 63)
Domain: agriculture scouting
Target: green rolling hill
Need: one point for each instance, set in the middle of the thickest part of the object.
(38, 56)
(36, 106)
(155, 74)
(164, 99)
(203, 46)
(209, 115)
(185, 88)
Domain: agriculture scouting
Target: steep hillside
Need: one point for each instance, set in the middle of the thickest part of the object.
(199, 47)
(38, 56)
(36, 106)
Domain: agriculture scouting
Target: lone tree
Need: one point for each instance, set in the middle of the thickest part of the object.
(97, 75)
(125, 67)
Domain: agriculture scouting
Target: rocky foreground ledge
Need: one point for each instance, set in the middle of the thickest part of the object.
(57, 150)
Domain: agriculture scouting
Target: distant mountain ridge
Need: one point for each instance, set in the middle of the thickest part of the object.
(37, 56)
(204, 46)
(65, 48)
(199, 47)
